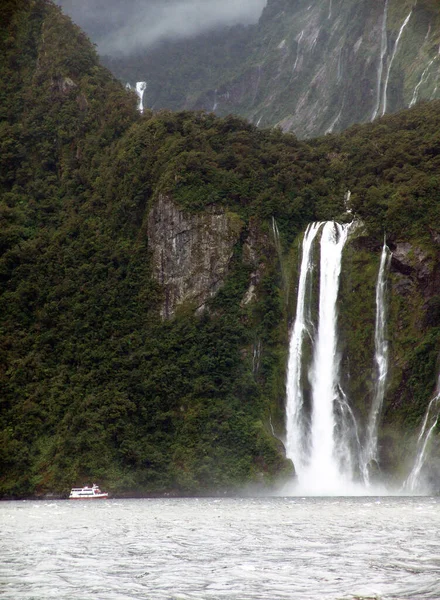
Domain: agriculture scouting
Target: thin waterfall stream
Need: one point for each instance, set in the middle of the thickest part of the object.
(390, 64)
(414, 482)
(277, 240)
(370, 452)
(383, 51)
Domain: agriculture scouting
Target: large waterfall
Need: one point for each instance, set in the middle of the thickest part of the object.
(332, 455)
(327, 451)
(390, 64)
(319, 437)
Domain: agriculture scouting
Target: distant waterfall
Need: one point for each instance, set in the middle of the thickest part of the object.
(396, 45)
(423, 79)
(413, 483)
(383, 51)
(141, 86)
(382, 90)
(319, 440)
(298, 47)
(369, 454)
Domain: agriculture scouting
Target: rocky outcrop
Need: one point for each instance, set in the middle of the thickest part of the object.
(412, 261)
(251, 256)
(191, 252)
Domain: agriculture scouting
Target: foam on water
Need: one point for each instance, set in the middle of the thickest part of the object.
(253, 548)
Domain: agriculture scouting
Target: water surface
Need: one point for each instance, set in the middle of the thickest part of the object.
(234, 549)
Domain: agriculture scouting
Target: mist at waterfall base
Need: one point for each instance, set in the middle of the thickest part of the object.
(332, 452)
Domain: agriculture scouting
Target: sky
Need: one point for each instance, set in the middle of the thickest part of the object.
(124, 26)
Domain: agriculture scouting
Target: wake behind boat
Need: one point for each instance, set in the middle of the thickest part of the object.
(87, 493)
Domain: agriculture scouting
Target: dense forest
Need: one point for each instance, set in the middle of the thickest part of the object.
(98, 380)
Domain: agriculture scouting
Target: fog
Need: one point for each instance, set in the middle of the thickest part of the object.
(123, 26)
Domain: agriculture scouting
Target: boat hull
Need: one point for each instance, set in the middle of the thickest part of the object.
(96, 497)
(88, 493)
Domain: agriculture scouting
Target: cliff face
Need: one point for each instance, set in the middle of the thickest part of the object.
(310, 67)
(191, 253)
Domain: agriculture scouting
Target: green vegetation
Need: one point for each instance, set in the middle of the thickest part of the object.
(94, 384)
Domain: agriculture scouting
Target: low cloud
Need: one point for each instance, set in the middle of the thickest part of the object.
(124, 26)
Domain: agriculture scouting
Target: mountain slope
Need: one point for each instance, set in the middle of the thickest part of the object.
(310, 67)
(94, 383)
(148, 275)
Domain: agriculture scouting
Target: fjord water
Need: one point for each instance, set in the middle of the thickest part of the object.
(221, 549)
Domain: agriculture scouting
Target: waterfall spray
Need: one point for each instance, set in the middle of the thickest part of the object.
(369, 454)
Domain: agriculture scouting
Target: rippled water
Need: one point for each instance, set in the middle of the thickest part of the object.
(235, 549)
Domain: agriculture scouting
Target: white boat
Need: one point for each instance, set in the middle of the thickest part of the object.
(87, 493)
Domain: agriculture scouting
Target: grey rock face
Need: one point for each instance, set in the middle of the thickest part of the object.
(311, 67)
(325, 65)
(412, 260)
(191, 253)
(251, 257)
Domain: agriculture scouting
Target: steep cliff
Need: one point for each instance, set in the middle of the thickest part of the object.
(310, 67)
(191, 253)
